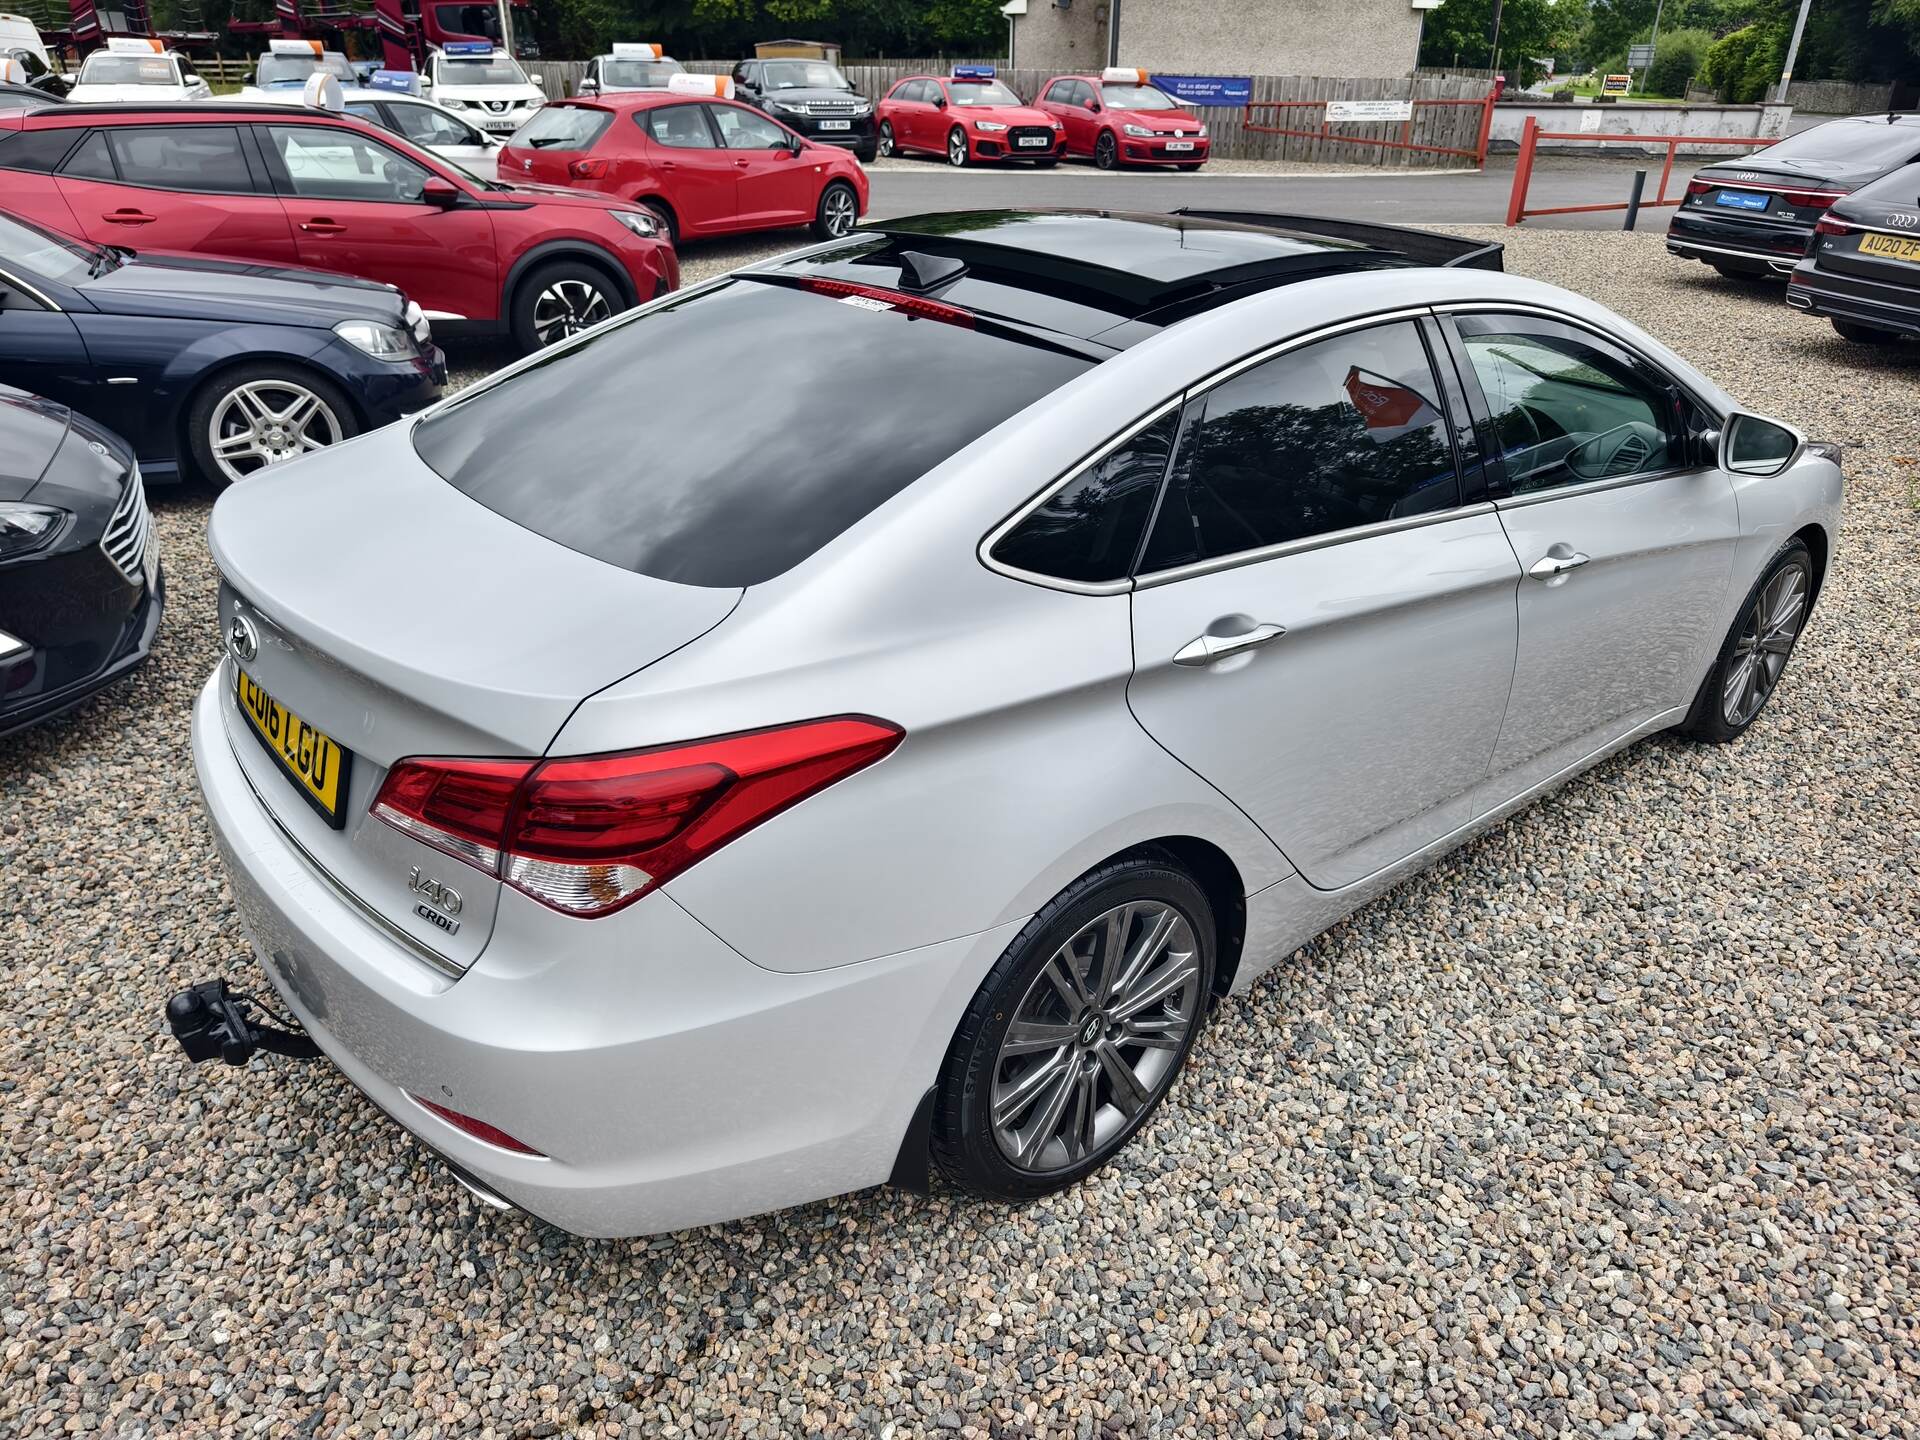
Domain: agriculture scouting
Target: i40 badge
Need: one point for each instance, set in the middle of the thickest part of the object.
(440, 902)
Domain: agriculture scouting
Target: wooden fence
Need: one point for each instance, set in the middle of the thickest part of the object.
(1450, 127)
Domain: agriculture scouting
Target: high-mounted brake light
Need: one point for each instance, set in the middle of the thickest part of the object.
(590, 834)
(883, 298)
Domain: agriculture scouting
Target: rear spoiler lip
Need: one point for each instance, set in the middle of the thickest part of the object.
(1424, 247)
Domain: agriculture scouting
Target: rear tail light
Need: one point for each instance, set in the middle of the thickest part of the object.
(590, 834)
(1699, 187)
(1811, 199)
(1830, 227)
(892, 300)
(587, 169)
(479, 1129)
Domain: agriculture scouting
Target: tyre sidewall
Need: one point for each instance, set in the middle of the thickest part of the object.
(207, 399)
(964, 1145)
(820, 226)
(1707, 719)
(528, 295)
(966, 152)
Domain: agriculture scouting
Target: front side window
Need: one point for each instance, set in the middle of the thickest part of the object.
(564, 127)
(1060, 92)
(1089, 529)
(181, 157)
(327, 164)
(680, 127)
(1344, 432)
(747, 130)
(1567, 406)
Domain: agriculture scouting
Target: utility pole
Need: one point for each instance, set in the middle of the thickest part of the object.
(1793, 51)
(1493, 57)
(506, 26)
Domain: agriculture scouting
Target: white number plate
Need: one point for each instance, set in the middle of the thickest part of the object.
(836, 124)
(1179, 144)
(1036, 141)
(503, 125)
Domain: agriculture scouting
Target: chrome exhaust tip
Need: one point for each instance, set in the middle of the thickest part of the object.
(479, 1189)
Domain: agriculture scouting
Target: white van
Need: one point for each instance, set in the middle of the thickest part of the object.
(20, 41)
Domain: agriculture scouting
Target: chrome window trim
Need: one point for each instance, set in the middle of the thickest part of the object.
(1312, 542)
(1594, 487)
(33, 290)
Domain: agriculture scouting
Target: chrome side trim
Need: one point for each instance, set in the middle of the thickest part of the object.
(1594, 487)
(1673, 244)
(373, 917)
(1313, 542)
(17, 283)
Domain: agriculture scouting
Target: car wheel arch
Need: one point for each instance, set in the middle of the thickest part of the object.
(1814, 537)
(576, 250)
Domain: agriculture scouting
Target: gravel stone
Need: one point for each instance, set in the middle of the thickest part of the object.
(1607, 1125)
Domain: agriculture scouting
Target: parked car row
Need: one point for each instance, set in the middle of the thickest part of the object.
(1835, 209)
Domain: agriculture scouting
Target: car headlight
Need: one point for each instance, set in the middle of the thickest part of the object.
(988, 125)
(1055, 123)
(453, 104)
(1136, 130)
(1201, 133)
(786, 108)
(639, 222)
(25, 528)
(383, 342)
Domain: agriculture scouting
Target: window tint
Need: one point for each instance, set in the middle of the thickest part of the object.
(563, 127)
(684, 127)
(424, 125)
(327, 164)
(1090, 527)
(91, 161)
(41, 255)
(1345, 432)
(1567, 406)
(40, 150)
(745, 130)
(734, 479)
(1060, 92)
(182, 157)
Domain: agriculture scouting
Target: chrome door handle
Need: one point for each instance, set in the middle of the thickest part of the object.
(1209, 648)
(1550, 565)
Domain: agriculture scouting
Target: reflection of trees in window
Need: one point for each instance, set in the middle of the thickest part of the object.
(1089, 529)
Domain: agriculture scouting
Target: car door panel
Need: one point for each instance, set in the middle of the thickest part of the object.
(697, 175)
(773, 185)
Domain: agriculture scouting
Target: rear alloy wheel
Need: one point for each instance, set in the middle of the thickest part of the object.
(957, 154)
(1106, 151)
(885, 146)
(258, 416)
(1862, 334)
(559, 301)
(1756, 649)
(838, 211)
(1077, 1034)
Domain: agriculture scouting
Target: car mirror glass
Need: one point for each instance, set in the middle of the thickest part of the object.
(1753, 446)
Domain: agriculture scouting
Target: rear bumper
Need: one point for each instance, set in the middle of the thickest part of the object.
(667, 1081)
(1696, 236)
(1846, 297)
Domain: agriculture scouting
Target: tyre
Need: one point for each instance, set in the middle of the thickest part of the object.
(1191, 165)
(1078, 1032)
(838, 211)
(1862, 334)
(559, 300)
(663, 217)
(253, 416)
(1756, 649)
(885, 146)
(957, 152)
(867, 154)
(1106, 151)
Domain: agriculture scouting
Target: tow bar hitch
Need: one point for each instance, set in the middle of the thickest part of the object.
(212, 1023)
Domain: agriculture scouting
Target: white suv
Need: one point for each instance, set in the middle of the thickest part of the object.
(483, 84)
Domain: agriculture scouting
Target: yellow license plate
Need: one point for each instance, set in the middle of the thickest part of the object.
(1891, 247)
(315, 762)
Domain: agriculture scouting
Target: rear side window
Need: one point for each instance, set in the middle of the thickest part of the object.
(1089, 529)
(648, 446)
(39, 150)
(564, 127)
(1345, 432)
(182, 157)
(91, 161)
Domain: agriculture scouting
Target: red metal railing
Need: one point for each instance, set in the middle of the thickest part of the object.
(1478, 154)
(1531, 134)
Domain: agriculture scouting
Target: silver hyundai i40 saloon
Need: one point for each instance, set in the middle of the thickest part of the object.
(856, 716)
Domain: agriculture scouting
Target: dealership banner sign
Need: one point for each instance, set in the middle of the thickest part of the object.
(1354, 111)
(1207, 89)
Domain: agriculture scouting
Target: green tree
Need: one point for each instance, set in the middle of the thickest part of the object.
(1460, 32)
(1677, 58)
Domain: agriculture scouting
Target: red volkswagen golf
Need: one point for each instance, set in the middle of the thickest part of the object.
(1119, 117)
(700, 162)
(292, 185)
(968, 116)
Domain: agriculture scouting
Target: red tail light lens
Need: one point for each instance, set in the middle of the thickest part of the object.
(1830, 227)
(587, 169)
(1699, 187)
(893, 300)
(1811, 199)
(479, 1129)
(589, 835)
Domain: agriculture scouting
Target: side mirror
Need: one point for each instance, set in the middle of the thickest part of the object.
(939, 102)
(1094, 106)
(589, 86)
(442, 194)
(1753, 446)
(539, 80)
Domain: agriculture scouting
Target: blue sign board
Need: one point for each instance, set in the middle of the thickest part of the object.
(1207, 89)
(972, 72)
(467, 47)
(404, 81)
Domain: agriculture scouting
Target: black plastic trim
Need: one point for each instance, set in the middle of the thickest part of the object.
(913, 1166)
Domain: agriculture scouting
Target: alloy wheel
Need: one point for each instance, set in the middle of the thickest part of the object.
(957, 147)
(1760, 654)
(268, 422)
(1106, 152)
(839, 211)
(1097, 1038)
(886, 139)
(566, 307)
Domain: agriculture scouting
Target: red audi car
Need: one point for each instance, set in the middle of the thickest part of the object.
(701, 163)
(1120, 117)
(967, 116)
(293, 185)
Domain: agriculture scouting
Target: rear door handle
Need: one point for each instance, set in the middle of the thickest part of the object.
(1557, 561)
(320, 225)
(1208, 648)
(128, 217)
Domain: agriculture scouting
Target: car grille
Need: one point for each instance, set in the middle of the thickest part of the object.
(129, 531)
(498, 107)
(832, 108)
(1022, 132)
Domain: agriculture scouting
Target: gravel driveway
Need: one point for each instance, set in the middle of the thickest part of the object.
(1610, 1124)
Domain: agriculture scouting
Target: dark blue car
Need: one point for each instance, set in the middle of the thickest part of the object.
(204, 365)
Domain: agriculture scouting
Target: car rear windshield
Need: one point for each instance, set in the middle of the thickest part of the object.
(1855, 141)
(722, 440)
(563, 127)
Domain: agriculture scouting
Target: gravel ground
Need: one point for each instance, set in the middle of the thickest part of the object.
(1607, 1125)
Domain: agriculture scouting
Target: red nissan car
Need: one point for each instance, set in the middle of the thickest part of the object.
(968, 116)
(701, 163)
(1119, 117)
(292, 185)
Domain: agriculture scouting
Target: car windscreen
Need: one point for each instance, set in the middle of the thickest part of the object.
(563, 127)
(973, 92)
(639, 74)
(35, 254)
(651, 446)
(105, 69)
(1137, 97)
(1854, 141)
(804, 75)
(496, 70)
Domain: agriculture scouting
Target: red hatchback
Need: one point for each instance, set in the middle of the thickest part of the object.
(968, 116)
(702, 164)
(1119, 117)
(290, 185)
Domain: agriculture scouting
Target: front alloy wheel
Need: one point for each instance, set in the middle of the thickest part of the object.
(566, 307)
(957, 147)
(885, 148)
(1766, 640)
(1106, 151)
(839, 211)
(260, 418)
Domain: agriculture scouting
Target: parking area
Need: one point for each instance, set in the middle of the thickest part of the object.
(1608, 1123)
